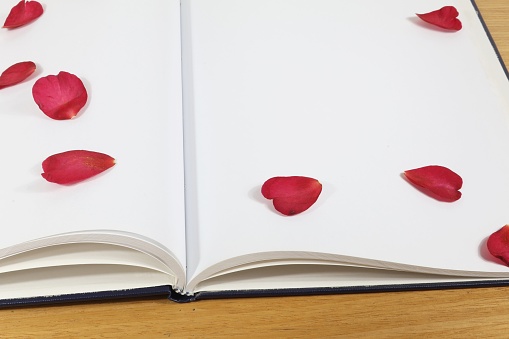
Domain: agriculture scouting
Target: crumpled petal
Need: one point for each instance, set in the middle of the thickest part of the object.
(23, 13)
(437, 181)
(445, 17)
(292, 195)
(16, 73)
(60, 96)
(498, 244)
(74, 166)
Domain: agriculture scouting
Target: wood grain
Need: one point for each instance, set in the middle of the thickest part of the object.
(464, 313)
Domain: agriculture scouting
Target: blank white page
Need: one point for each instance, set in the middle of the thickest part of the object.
(128, 56)
(351, 93)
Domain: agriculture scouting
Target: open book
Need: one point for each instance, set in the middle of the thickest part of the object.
(201, 101)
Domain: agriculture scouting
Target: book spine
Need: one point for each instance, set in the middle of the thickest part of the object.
(180, 296)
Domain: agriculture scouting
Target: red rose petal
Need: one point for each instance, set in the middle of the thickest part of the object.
(439, 182)
(74, 166)
(498, 244)
(60, 96)
(445, 17)
(23, 13)
(292, 195)
(16, 73)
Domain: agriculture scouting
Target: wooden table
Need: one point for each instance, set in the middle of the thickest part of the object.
(464, 313)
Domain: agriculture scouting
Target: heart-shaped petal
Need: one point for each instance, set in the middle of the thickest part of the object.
(439, 182)
(74, 166)
(60, 96)
(23, 13)
(445, 17)
(498, 244)
(292, 195)
(16, 73)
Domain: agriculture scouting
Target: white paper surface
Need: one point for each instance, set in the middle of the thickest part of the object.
(128, 56)
(351, 93)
